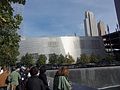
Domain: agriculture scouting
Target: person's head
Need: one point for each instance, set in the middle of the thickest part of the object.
(58, 73)
(42, 69)
(4, 68)
(13, 68)
(34, 71)
(22, 69)
(17, 69)
(64, 71)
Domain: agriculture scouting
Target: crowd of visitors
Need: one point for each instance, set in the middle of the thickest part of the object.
(32, 78)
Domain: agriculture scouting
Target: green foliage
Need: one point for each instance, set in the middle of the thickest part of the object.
(109, 58)
(69, 59)
(7, 15)
(9, 38)
(9, 45)
(27, 60)
(93, 58)
(84, 58)
(53, 58)
(61, 59)
(88, 58)
(41, 60)
(78, 60)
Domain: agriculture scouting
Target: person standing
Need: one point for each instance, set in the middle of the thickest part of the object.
(34, 83)
(14, 78)
(23, 73)
(56, 80)
(3, 78)
(61, 81)
(43, 77)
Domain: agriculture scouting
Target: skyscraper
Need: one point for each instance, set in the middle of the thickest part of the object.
(101, 28)
(90, 24)
(117, 6)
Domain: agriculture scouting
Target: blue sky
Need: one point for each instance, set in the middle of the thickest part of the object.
(64, 17)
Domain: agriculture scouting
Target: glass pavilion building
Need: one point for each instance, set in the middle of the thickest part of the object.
(73, 45)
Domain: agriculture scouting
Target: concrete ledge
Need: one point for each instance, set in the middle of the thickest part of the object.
(114, 87)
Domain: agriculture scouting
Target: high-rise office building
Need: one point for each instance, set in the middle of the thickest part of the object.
(117, 6)
(90, 24)
(101, 28)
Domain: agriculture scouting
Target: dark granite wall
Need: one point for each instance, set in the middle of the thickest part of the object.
(94, 77)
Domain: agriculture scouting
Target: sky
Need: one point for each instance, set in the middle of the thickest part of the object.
(64, 17)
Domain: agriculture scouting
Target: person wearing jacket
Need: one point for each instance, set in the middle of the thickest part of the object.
(56, 80)
(34, 83)
(14, 78)
(43, 77)
(3, 78)
(61, 81)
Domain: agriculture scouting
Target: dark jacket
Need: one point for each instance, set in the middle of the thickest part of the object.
(56, 82)
(34, 83)
(43, 77)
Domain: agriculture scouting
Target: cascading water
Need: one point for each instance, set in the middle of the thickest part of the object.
(97, 77)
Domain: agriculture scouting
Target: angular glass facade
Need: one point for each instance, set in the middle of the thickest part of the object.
(73, 45)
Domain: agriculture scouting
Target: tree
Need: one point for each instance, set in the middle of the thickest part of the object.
(9, 38)
(41, 60)
(84, 58)
(53, 58)
(61, 59)
(93, 58)
(27, 60)
(78, 60)
(69, 59)
(109, 58)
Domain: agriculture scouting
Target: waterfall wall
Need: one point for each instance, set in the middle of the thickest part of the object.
(97, 77)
